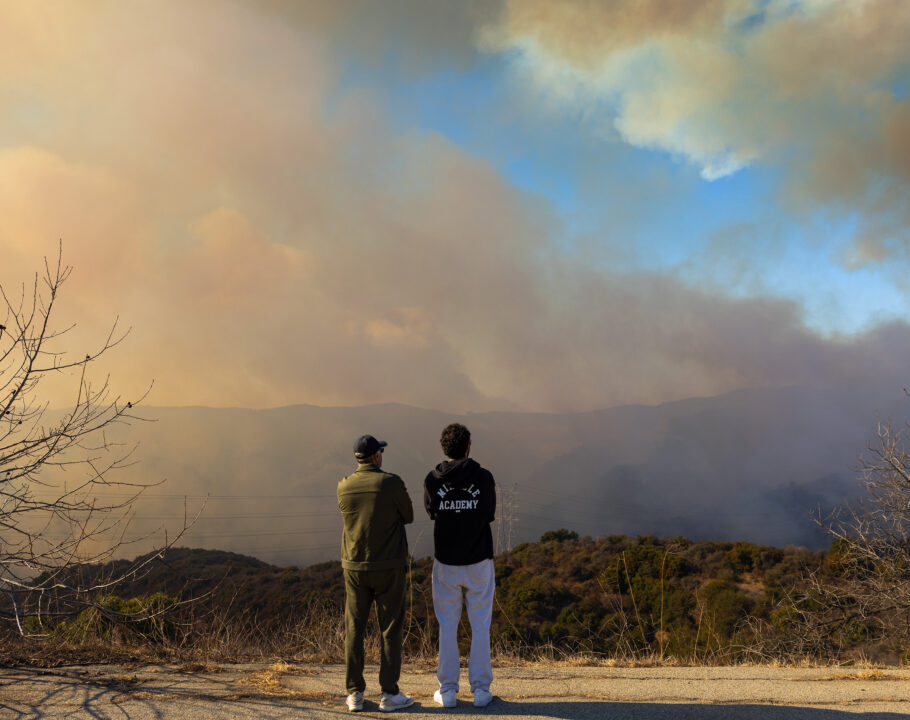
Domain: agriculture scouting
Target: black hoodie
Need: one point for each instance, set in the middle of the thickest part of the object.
(461, 497)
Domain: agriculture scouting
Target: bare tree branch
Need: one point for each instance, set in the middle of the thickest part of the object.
(57, 467)
(860, 596)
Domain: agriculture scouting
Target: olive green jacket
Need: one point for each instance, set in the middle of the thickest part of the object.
(375, 506)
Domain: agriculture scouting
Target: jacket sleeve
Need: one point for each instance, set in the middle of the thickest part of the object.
(428, 498)
(403, 502)
(492, 502)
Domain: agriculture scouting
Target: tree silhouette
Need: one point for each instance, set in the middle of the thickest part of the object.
(861, 595)
(62, 503)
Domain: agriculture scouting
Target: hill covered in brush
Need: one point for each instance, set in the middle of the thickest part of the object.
(615, 596)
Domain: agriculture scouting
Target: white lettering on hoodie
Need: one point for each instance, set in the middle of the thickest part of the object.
(459, 505)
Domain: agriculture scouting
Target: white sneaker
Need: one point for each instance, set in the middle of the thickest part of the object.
(390, 703)
(482, 697)
(355, 701)
(446, 699)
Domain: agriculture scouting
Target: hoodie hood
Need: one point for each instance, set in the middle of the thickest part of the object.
(453, 470)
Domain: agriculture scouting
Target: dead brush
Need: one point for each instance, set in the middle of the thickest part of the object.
(268, 681)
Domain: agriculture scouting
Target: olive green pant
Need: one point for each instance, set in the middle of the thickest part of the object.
(362, 588)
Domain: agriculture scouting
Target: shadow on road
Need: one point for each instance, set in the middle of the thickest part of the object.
(589, 710)
(102, 695)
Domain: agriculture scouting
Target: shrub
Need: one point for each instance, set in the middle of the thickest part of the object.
(558, 535)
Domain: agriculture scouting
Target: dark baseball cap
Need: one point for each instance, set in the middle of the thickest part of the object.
(367, 445)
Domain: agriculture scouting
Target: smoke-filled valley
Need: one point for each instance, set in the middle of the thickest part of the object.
(749, 465)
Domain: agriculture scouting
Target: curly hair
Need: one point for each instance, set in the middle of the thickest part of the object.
(455, 440)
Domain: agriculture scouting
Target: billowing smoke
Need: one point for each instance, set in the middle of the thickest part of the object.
(813, 89)
(272, 239)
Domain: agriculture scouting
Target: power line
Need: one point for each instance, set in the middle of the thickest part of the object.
(140, 495)
(262, 534)
(204, 516)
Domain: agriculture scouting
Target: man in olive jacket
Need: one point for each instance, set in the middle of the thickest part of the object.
(374, 555)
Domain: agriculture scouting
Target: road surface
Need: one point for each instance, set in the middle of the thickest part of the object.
(282, 691)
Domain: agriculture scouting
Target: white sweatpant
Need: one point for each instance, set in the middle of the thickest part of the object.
(477, 582)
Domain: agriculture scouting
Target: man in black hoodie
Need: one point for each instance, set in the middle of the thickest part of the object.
(460, 496)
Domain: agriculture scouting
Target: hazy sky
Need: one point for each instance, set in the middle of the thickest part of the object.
(466, 206)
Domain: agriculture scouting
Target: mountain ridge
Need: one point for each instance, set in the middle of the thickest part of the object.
(746, 465)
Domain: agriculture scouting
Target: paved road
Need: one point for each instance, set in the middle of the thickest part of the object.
(280, 691)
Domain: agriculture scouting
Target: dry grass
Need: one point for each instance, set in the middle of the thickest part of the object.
(268, 681)
(317, 637)
(208, 668)
(867, 675)
(206, 656)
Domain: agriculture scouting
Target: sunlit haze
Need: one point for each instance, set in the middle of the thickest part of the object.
(465, 206)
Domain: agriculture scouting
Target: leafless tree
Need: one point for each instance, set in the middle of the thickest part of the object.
(62, 503)
(860, 597)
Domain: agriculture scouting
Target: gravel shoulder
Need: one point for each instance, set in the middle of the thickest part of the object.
(544, 691)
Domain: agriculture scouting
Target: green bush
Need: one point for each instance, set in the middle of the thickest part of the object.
(114, 619)
(558, 535)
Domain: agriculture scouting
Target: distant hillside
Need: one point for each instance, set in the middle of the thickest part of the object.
(233, 585)
(745, 466)
(614, 595)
